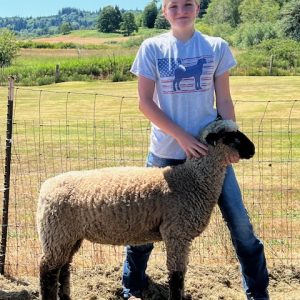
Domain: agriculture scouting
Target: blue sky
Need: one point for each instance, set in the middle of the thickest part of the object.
(35, 8)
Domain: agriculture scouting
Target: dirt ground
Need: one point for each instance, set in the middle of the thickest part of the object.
(202, 282)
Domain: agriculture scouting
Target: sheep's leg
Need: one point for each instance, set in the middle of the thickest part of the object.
(176, 285)
(48, 282)
(177, 259)
(64, 281)
(64, 276)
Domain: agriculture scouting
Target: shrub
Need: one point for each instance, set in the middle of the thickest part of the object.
(249, 34)
(8, 47)
(284, 49)
(284, 55)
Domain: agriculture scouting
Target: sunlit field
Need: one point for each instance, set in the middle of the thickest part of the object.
(79, 125)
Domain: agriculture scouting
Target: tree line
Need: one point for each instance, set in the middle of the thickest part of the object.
(74, 18)
(243, 23)
(250, 21)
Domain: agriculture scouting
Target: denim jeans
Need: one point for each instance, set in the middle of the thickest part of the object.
(249, 249)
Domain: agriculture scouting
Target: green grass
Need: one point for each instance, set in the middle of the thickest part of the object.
(258, 90)
(84, 125)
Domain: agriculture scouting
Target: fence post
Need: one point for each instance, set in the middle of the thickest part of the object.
(271, 64)
(57, 73)
(9, 126)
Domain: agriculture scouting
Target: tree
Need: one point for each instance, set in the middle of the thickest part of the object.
(119, 17)
(203, 7)
(149, 15)
(290, 19)
(223, 11)
(109, 19)
(161, 22)
(8, 47)
(128, 26)
(259, 11)
(65, 28)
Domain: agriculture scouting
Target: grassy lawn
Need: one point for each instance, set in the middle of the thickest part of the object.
(250, 94)
(80, 125)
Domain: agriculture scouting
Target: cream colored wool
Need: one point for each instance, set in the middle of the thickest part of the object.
(132, 205)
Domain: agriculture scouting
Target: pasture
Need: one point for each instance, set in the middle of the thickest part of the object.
(79, 125)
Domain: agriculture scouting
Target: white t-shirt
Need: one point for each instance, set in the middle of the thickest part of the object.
(184, 83)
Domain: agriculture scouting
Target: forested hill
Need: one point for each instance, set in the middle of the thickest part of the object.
(77, 19)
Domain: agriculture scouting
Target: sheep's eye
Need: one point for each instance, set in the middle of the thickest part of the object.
(237, 141)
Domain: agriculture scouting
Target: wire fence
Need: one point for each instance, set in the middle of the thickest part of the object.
(54, 132)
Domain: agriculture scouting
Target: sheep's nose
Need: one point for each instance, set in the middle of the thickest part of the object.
(248, 155)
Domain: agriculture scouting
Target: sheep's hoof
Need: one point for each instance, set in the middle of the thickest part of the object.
(65, 297)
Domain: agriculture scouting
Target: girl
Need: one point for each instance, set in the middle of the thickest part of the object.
(180, 74)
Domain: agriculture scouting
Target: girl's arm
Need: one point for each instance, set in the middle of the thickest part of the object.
(224, 103)
(191, 146)
(223, 98)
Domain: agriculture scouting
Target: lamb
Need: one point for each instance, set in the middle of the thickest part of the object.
(134, 205)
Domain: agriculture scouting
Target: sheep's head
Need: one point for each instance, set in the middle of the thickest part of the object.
(227, 133)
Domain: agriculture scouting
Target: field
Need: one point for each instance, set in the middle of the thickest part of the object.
(77, 125)
(86, 55)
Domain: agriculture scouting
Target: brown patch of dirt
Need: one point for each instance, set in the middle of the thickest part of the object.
(202, 282)
(81, 40)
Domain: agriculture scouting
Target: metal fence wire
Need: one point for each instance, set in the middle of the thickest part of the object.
(64, 131)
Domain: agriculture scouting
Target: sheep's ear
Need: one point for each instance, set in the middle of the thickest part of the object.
(212, 138)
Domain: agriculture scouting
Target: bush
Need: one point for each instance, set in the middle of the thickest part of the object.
(283, 49)
(249, 34)
(284, 55)
(8, 47)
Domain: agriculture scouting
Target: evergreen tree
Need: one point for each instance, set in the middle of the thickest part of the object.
(161, 22)
(119, 17)
(128, 25)
(203, 7)
(109, 20)
(149, 15)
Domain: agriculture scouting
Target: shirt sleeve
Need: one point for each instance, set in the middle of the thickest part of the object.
(226, 59)
(144, 63)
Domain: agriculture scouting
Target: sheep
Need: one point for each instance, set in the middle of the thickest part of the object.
(134, 205)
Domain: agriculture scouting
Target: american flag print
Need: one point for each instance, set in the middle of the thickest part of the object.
(189, 75)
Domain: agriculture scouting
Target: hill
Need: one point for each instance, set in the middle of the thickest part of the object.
(49, 25)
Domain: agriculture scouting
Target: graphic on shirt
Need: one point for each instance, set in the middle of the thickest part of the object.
(185, 75)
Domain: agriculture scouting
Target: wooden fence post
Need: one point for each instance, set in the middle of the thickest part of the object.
(271, 64)
(57, 73)
(9, 126)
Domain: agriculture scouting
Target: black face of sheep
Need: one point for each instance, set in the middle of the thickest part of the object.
(236, 140)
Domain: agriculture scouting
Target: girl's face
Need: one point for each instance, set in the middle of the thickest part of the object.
(181, 13)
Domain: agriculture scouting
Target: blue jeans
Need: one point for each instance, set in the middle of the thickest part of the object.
(248, 247)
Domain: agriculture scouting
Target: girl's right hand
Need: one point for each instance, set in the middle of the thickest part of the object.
(191, 146)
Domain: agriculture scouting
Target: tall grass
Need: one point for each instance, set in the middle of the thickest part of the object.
(42, 71)
(113, 61)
